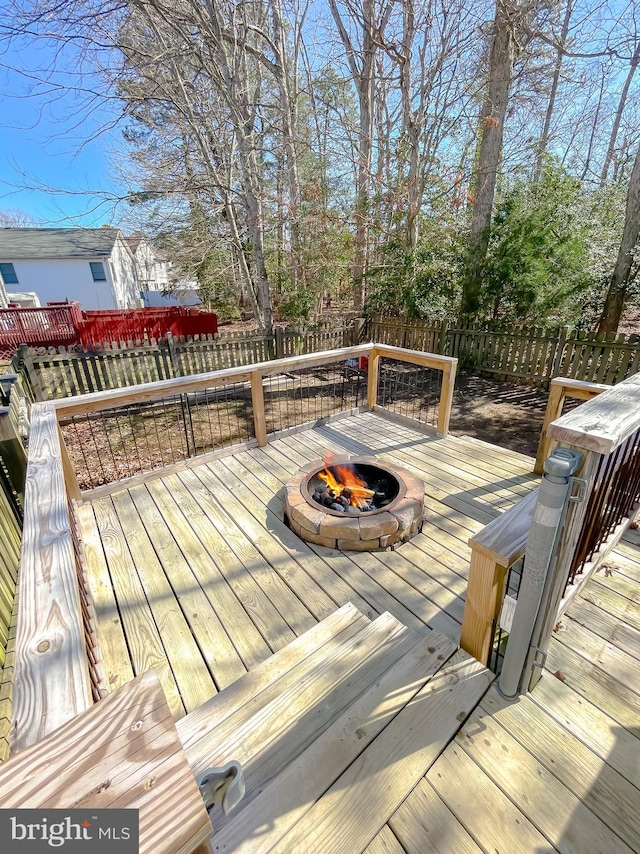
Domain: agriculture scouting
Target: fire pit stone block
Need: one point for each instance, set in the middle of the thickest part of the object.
(377, 524)
(391, 539)
(347, 529)
(406, 512)
(307, 517)
(359, 545)
(327, 542)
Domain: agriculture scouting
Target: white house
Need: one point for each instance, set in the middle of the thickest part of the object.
(152, 268)
(94, 266)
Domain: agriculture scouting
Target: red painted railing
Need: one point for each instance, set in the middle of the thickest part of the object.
(99, 327)
(67, 325)
(50, 326)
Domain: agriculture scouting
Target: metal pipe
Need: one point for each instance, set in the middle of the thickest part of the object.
(541, 547)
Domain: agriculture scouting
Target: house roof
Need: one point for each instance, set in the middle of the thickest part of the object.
(134, 241)
(56, 242)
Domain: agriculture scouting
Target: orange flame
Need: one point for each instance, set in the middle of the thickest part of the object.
(344, 477)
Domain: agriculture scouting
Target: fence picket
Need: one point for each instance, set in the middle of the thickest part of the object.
(533, 355)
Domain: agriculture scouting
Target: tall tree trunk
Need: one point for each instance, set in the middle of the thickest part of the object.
(289, 112)
(616, 122)
(410, 128)
(544, 136)
(362, 64)
(366, 94)
(623, 270)
(489, 150)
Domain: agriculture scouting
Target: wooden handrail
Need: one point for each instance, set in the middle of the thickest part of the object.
(446, 364)
(602, 424)
(146, 392)
(252, 376)
(559, 390)
(51, 680)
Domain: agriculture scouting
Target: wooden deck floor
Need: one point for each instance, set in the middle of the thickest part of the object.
(196, 575)
(559, 769)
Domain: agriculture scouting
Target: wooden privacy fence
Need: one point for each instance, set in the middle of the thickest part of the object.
(54, 373)
(519, 354)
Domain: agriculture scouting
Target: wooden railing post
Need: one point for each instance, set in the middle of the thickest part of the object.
(373, 376)
(555, 402)
(493, 550)
(70, 479)
(561, 388)
(257, 400)
(485, 593)
(446, 398)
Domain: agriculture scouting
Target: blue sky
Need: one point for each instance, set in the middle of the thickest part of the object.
(43, 144)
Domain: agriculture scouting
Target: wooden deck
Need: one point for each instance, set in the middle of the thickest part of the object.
(196, 575)
(209, 581)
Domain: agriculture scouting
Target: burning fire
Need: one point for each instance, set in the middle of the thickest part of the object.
(343, 478)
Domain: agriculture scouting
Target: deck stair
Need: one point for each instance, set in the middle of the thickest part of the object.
(333, 732)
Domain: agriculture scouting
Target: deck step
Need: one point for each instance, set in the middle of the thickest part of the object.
(272, 727)
(195, 727)
(332, 744)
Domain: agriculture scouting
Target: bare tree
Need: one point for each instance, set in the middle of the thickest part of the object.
(369, 25)
(622, 101)
(626, 266)
(14, 218)
(553, 92)
(491, 130)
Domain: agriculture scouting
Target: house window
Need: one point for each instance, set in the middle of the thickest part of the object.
(8, 273)
(97, 271)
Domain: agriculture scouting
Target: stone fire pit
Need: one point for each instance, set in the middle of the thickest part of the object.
(396, 521)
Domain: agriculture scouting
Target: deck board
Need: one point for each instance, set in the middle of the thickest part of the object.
(190, 672)
(423, 823)
(599, 786)
(145, 643)
(385, 843)
(562, 773)
(192, 579)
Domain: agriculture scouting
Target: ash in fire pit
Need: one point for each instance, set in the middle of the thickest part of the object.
(353, 488)
(354, 504)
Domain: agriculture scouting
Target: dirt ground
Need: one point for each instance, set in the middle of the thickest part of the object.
(498, 412)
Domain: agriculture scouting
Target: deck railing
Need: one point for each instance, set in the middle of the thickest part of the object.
(605, 430)
(561, 389)
(57, 662)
